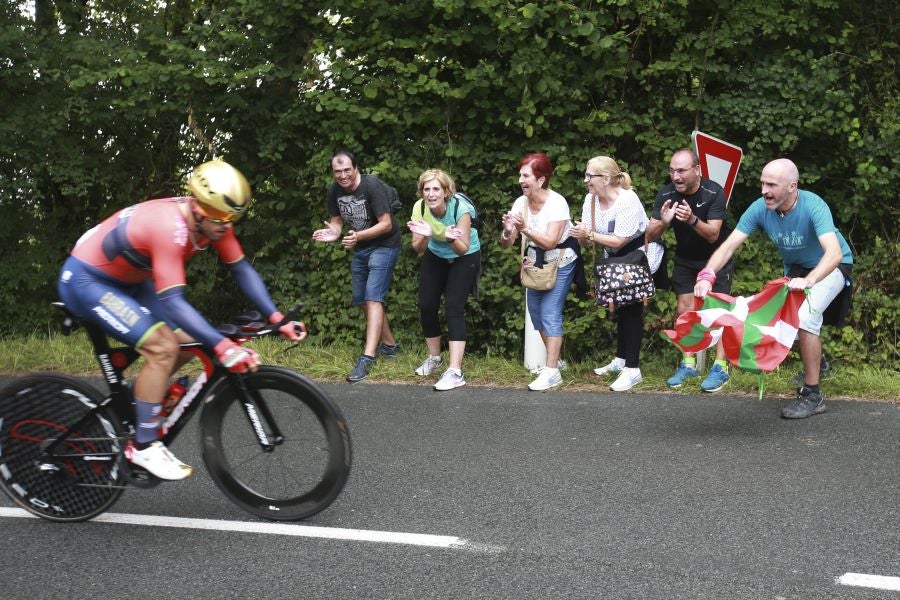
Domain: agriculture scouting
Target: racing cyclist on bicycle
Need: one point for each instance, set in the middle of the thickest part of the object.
(127, 276)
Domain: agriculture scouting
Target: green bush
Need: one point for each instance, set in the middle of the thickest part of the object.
(112, 105)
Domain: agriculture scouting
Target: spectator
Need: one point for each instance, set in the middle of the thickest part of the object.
(442, 232)
(815, 255)
(361, 201)
(694, 207)
(614, 219)
(546, 233)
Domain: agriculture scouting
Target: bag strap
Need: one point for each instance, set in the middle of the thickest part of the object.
(524, 218)
(559, 254)
(593, 221)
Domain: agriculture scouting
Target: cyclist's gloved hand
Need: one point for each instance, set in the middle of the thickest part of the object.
(292, 330)
(236, 358)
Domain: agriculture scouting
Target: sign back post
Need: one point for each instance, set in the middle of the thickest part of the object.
(719, 160)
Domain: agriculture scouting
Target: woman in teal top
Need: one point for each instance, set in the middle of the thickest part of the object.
(442, 232)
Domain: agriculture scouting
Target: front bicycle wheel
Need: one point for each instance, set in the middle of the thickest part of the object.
(307, 466)
(76, 478)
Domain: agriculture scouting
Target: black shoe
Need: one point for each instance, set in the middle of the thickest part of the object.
(361, 369)
(388, 350)
(824, 371)
(807, 404)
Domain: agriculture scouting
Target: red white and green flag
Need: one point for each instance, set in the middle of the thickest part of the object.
(756, 332)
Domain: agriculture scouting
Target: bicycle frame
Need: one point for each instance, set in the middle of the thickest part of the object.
(114, 361)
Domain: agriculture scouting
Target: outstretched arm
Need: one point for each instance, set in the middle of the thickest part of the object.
(707, 277)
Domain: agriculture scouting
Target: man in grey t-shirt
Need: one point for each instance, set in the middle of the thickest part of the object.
(361, 202)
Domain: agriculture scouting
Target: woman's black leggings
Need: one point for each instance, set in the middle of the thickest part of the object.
(453, 279)
(629, 331)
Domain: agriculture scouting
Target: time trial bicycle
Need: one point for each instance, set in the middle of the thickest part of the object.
(272, 440)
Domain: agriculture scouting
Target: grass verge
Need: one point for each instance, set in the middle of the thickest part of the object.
(20, 355)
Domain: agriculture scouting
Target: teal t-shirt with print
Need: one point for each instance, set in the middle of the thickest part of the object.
(796, 234)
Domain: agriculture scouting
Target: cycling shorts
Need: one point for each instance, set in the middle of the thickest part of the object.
(128, 312)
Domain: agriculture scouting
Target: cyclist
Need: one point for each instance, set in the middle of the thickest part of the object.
(127, 276)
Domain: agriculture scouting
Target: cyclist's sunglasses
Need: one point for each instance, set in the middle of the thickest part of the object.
(218, 218)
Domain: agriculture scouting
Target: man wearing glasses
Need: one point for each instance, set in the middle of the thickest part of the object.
(361, 202)
(694, 207)
(127, 276)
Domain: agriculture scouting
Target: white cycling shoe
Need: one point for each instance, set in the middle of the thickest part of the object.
(159, 461)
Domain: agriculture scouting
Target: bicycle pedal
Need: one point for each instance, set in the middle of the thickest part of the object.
(142, 478)
(138, 476)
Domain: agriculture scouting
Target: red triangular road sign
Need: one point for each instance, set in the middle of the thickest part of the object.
(719, 160)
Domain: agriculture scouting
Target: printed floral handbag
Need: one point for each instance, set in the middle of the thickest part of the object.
(621, 280)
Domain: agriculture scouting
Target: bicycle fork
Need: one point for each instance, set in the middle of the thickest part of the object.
(255, 407)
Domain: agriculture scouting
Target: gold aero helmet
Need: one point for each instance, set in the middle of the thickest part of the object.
(221, 191)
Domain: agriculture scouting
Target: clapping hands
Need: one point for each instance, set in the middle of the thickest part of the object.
(330, 233)
(420, 228)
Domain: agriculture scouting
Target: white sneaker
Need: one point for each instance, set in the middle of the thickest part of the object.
(615, 366)
(451, 379)
(547, 379)
(431, 363)
(628, 378)
(560, 364)
(157, 459)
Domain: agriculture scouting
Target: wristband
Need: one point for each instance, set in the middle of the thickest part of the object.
(706, 274)
(694, 222)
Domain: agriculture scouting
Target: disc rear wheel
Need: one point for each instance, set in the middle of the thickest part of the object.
(77, 477)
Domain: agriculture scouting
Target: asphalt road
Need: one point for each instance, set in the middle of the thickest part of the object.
(553, 495)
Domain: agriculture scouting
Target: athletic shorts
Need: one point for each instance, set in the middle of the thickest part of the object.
(684, 277)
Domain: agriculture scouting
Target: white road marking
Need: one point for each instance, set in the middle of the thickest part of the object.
(879, 582)
(268, 528)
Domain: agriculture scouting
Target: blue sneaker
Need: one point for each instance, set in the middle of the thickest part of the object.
(387, 350)
(681, 375)
(361, 369)
(715, 379)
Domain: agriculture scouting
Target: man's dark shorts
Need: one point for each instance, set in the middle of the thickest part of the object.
(684, 277)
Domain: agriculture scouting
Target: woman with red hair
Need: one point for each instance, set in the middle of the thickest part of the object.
(542, 217)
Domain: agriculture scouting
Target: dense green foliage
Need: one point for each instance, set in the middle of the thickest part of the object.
(107, 102)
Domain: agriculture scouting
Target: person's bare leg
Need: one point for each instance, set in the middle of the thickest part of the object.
(161, 355)
(433, 344)
(811, 355)
(374, 312)
(387, 336)
(686, 303)
(554, 346)
(457, 350)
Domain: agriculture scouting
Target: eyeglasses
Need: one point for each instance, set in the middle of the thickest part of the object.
(224, 220)
(221, 221)
(680, 172)
(589, 176)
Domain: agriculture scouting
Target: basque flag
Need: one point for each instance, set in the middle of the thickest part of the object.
(756, 332)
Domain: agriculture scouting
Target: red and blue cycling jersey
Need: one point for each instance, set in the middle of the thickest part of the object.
(149, 240)
(127, 273)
